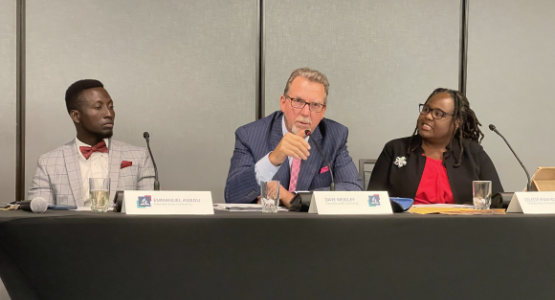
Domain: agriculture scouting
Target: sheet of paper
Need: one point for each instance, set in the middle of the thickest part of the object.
(445, 205)
(494, 211)
(242, 207)
(85, 208)
(453, 210)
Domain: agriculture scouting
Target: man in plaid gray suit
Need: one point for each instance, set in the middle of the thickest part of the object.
(62, 175)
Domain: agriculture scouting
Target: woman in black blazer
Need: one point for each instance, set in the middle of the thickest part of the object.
(438, 163)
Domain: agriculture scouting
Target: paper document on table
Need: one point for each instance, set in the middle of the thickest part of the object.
(493, 211)
(242, 207)
(88, 208)
(452, 209)
(445, 205)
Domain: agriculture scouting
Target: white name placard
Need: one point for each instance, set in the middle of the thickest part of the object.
(350, 203)
(167, 203)
(533, 203)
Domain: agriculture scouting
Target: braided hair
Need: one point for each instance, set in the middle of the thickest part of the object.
(468, 128)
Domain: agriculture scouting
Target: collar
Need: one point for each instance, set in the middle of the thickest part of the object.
(79, 143)
(452, 149)
(417, 141)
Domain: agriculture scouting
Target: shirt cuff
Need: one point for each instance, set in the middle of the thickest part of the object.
(264, 169)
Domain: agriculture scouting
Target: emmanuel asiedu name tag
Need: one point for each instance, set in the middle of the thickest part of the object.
(167, 203)
(350, 203)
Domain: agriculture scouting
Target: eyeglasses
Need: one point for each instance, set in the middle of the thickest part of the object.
(299, 103)
(436, 113)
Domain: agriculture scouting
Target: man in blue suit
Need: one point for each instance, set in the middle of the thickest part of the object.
(276, 148)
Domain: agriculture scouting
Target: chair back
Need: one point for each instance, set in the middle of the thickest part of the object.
(365, 167)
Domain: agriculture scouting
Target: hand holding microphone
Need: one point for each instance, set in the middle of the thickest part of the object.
(292, 145)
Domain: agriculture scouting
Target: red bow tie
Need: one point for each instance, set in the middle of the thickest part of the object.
(88, 151)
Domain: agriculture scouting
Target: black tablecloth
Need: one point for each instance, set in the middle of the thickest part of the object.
(70, 255)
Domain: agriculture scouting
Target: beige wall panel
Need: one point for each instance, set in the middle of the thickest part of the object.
(8, 86)
(8, 112)
(510, 79)
(382, 59)
(182, 70)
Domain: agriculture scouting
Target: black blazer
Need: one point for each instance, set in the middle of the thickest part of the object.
(403, 181)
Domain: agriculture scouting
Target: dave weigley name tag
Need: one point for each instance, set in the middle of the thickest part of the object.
(533, 203)
(167, 203)
(350, 203)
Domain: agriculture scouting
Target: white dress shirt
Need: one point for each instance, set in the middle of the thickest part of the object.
(264, 169)
(97, 166)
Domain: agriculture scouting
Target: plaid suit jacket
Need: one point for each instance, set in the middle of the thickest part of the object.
(58, 176)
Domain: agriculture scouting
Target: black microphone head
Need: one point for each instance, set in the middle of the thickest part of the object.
(146, 135)
(491, 127)
(307, 132)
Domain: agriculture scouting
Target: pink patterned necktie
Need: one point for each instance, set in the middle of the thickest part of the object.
(295, 168)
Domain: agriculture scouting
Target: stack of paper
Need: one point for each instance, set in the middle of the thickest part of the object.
(452, 209)
(242, 207)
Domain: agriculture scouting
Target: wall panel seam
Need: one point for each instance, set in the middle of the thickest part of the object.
(20, 101)
(260, 63)
(463, 47)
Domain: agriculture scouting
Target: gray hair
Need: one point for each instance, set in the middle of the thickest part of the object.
(311, 75)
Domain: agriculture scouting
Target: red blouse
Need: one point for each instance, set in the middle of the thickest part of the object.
(434, 185)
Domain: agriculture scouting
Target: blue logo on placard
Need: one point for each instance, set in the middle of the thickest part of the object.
(144, 202)
(374, 200)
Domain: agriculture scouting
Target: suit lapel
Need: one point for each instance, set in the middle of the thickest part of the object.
(114, 154)
(420, 160)
(309, 167)
(73, 169)
(417, 158)
(453, 172)
(276, 134)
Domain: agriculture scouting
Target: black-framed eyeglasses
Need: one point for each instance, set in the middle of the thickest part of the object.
(436, 113)
(299, 103)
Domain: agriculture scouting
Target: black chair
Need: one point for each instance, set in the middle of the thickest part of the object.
(365, 167)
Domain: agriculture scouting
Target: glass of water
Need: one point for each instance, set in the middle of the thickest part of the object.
(269, 196)
(481, 193)
(99, 194)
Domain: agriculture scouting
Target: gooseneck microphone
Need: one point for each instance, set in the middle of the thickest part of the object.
(529, 185)
(332, 185)
(156, 182)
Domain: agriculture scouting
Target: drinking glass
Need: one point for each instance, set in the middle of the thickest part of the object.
(99, 194)
(481, 193)
(269, 196)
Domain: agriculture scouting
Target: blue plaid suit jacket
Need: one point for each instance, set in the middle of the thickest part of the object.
(254, 140)
(58, 176)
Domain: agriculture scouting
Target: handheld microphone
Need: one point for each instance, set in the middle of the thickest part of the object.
(37, 205)
(529, 185)
(332, 185)
(156, 182)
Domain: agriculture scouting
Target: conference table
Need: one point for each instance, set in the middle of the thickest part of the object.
(288, 255)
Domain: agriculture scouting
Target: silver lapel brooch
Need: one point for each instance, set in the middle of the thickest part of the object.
(400, 161)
